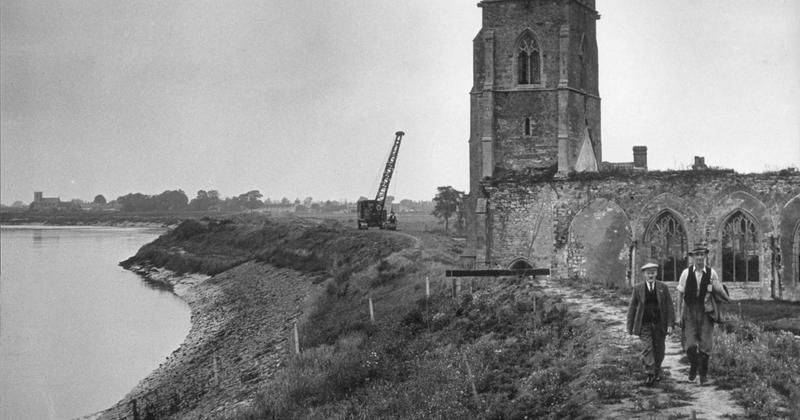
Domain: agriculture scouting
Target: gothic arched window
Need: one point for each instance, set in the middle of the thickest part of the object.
(665, 240)
(528, 67)
(739, 249)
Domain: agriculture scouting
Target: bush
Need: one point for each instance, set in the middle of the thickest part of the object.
(762, 366)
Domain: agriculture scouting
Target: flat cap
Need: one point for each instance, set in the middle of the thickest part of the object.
(699, 250)
(650, 266)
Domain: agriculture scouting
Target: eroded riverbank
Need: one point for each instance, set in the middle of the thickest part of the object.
(242, 323)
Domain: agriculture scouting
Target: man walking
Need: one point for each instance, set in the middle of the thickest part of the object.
(695, 285)
(651, 316)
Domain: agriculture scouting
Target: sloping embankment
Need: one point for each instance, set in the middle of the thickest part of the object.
(261, 274)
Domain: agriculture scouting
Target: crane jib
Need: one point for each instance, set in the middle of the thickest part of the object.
(380, 197)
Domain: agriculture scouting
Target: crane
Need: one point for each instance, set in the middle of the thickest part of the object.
(372, 213)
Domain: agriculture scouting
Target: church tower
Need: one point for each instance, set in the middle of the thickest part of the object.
(535, 104)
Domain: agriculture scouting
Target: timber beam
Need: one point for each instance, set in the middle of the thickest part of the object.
(498, 273)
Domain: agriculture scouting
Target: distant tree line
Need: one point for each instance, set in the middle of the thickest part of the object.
(176, 200)
(210, 200)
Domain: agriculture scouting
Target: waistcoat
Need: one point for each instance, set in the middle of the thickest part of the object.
(691, 294)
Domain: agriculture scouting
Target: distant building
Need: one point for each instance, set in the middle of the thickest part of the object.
(41, 203)
(639, 162)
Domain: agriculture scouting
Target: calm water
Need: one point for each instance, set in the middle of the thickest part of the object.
(77, 332)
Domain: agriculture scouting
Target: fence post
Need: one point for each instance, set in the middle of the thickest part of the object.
(427, 288)
(216, 372)
(296, 340)
(371, 312)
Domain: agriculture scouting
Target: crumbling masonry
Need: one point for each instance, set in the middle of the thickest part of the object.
(540, 194)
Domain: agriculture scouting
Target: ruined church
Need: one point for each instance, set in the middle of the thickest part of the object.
(541, 196)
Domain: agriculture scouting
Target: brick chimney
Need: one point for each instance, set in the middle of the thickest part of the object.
(640, 157)
(699, 163)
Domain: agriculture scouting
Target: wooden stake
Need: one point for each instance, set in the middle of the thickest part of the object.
(296, 340)
(216, 372)
(371, 312)
(427, 288)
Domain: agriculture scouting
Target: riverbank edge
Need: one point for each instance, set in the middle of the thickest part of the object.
(201, 368)
(161, 279)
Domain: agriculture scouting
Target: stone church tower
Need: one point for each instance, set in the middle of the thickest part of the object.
(535, 105)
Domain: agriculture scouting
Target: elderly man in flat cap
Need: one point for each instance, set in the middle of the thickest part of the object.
(697, 285)
(651, 316)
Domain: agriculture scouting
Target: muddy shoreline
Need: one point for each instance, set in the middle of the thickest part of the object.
(242, 321)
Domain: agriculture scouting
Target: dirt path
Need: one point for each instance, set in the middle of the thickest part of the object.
(675, 397)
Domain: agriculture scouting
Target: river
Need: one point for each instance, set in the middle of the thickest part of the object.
(77, 332)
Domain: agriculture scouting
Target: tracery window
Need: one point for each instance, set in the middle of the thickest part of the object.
(665, 240)
(739, 249)
(528, 66)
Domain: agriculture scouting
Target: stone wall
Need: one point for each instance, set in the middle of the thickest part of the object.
(595, 226)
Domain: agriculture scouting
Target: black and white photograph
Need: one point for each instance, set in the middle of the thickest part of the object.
(353, 209)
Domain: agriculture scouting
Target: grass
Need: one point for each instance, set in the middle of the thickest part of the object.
(761, 367)
(771, 315)
(423, 358)
(211, 246)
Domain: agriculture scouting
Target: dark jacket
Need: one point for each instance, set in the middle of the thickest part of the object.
(636, 308)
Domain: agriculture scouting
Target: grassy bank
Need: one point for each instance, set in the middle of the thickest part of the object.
(490, 354)
(498, 350)
(211, 246)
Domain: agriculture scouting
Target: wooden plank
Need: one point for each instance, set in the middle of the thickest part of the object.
(498, 273)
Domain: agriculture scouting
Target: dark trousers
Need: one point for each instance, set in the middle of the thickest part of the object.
(699, 329)
(652, 337)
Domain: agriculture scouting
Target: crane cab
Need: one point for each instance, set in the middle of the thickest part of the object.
(370, 214)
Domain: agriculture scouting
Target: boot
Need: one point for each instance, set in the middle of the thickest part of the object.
(703, 368)
(693, 362)
(649, 380)
(657, 376)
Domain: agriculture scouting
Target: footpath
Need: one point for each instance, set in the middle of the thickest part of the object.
(675, 397)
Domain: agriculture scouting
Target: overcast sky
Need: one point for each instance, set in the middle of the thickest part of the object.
(302, 98)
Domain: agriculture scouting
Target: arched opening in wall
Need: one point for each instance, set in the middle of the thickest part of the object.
(665, 240)
(739, 249)
(526, 125)
(598, 244)
(520, 264)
